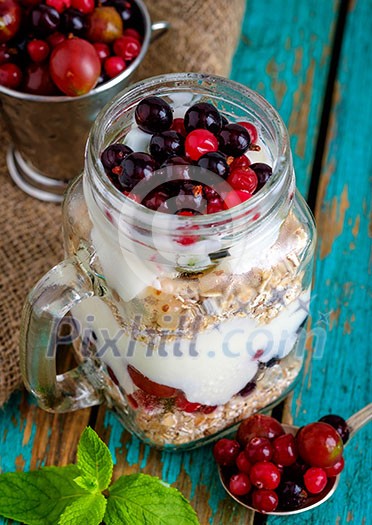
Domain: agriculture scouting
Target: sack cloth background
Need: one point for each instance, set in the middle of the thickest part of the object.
(203, 38)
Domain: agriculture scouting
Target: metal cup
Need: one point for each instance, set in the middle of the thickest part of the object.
(49, 133)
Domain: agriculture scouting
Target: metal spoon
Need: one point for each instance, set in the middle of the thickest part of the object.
(355, 423)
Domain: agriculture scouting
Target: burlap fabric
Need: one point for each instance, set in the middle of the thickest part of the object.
(203, 37)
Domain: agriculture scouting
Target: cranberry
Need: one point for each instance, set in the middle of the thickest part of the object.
(103, 50)
(149, 386)
(265, 475)
(199, 142)
(285, 450)
(215, 205)
(84, 6)
(153, 115)
(239, 484)
(225, 452)
(242, 463)
(179, 126)
(236, 197)
(56, 38)
(183, 404)
(10, 75)
(207, 409)
(259, 425)
(38, 50)
(59, 5)
(319, 444)
(265, 500)
(336, 468)
(127, 48)
(133, 33)
(114, 66)
(241, 162)
(315, 480)
(252, 130)
(259, 449)
(243, 179)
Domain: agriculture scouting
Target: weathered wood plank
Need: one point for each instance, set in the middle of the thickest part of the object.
(339, 380)
(284, 55)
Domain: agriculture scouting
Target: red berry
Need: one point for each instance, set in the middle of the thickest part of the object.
(10, 75)
(336, 469)
(215, 205)
(127, 47)
(132, 401)
(179, 126)
(242, 463)
(103, 51)
(111, 373)
(55, 38)
(225, 452)
(5, 55)
(59, 5)
(242, 163)
(208, 409)
(265, 500)
(252, 130)
(315, 480)
(200, 141)
(285, 450)
(133, 33)
(259, 425)
(265, 475)
(239, 484)
(319, 444)
(10, 19)
(114, 66)
(38, 50)
(148, 386)
(243, 179)
(259, 449)
(183, 404)
(84, 6)
(236, 197)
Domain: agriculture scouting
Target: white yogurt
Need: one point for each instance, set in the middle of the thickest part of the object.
(209, 369)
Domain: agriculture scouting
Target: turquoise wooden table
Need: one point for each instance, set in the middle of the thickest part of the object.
(312, 60)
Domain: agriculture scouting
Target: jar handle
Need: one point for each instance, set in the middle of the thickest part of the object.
(63, 287)
(158, 29)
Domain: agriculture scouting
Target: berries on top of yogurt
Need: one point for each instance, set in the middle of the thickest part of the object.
(203, 138)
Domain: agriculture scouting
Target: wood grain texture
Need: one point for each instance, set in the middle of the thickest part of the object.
(284, 54)
(339, 380)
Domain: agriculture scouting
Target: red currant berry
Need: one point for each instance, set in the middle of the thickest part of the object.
(315, 480)
(10, 76)
(225, 452)
(241, 163)
(179, 126)
(59, 5)
(243, 179)
(319, 444)
(200, 141)
(265, 500)
(183, 404)
(55, 38)
(114, 66)
(38, 50)
(285, 450)
(242, 463)
(259, 449)
(240, 484)
(133, 33)
(127, 47)
(103, 50)
(236, 197)
(265, 475)
(84, 6)
(215, 205)
(252, 130)
(336, 469)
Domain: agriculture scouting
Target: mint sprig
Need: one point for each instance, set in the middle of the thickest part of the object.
(72, 495)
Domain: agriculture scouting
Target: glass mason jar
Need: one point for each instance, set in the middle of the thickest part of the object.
(183, 325)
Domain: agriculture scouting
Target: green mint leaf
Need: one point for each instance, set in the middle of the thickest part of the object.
(87, 510)
(94, 460)
(89, 485)
(39, 497)
(138, 498)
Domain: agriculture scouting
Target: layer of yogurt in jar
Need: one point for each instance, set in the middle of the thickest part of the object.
(209, 366)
